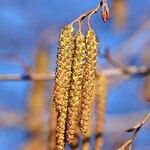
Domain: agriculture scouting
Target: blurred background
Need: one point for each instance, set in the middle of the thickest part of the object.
(29, 31)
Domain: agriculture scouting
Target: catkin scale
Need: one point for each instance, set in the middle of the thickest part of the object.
(101, 105)
(62, 82)
(63, 69)
(88, 79)
(76, 86)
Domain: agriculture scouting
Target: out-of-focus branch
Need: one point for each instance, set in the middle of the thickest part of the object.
(135, 130)
(9, 118)
(130, 71)
(115, 63)
(34, 77)
(111, 60)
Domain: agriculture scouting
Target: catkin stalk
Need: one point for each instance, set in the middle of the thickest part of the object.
(75, 90)
(62, 83)
(63, 69)
(88, 80)
(101, 104)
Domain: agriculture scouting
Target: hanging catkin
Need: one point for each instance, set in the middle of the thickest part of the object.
(88, 80)
(63, 70)
(62, 83)
(36, 102)
(75, 90)
(101, 102)
(87, 136)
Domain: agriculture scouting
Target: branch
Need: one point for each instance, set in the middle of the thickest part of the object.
(135, 130)
(111, 60)
(115, 72)
(115, 63)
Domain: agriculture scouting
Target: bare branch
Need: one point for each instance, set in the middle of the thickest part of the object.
(111, 60)
(135, 130)
(131, 71)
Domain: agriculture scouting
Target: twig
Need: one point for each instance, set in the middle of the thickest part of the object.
(135, 131)
(115, 72)
(111, 60)
(18, 77)
(105, 14)
(115, 63)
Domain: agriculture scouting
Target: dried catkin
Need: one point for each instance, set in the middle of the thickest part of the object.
(63, 70)
(62, 83)
(88, 80)
(101, 104)
(75, 90)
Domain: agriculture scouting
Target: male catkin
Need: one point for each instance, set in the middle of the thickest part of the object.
(63, 70)
(89, 78)
(87, 135)
(60, 128)
(101, 105)
(62, 82)
(75, 90)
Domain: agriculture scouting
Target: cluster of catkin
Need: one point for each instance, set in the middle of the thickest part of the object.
(74, 82)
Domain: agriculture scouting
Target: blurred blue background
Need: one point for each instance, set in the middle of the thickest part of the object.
(26, 25)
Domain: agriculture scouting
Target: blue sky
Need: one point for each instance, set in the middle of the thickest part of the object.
(21, 26)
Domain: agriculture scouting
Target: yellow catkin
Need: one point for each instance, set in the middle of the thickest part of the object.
(88, 80)
(101, 104)
(52, 122)
(120, 10)
(33, 144)
(76, 86)
(62, 83)
(36, 103)
(87, 136)
(64, 62)
(75, 144)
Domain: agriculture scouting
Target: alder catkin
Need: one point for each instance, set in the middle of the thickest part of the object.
(88, 79)
(64, 62)
(87, 136)
(76, 86)
(60, 129)
(36, 101)
(62, 82)
(101, 105)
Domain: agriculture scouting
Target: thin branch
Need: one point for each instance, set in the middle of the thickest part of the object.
(111, 60)
(105, 14)
(18, 77)
(115, 63)
(115, 72)
(135, 130)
